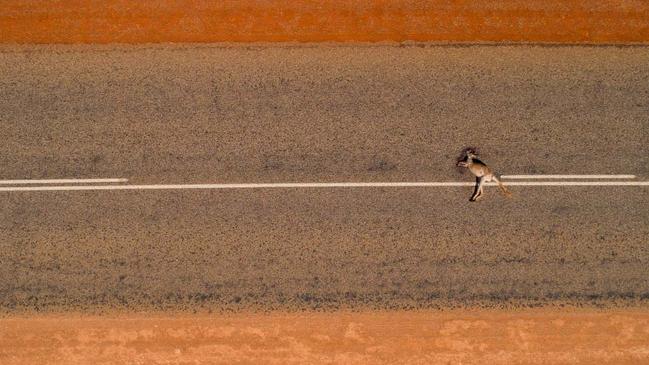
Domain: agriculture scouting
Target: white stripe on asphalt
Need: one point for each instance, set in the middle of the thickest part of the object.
(122, 180)
(61, 181)
(568, 176)
(315, 185)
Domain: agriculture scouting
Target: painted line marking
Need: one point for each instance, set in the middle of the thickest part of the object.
(61, 181)
(314, 185)
(568, 176)
(123, 180)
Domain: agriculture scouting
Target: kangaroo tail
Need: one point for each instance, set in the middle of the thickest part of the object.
(504, 189)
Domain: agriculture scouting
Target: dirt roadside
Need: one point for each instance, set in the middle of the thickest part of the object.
(127, 21)
(535, 336)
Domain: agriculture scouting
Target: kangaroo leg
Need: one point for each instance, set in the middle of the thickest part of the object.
(502, 187)
(478, 189)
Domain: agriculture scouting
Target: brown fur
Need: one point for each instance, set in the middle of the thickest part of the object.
(482, 172)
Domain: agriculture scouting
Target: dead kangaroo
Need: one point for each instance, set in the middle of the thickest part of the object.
(482, 174)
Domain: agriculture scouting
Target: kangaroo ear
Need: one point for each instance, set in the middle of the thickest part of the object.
(470, 151)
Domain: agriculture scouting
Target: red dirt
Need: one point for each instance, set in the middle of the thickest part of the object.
(127, 21)
(539, 336)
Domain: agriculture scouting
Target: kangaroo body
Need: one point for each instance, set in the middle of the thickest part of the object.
(482, 174)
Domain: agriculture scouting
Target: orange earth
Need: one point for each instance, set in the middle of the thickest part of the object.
(128, 21)
(534, 336)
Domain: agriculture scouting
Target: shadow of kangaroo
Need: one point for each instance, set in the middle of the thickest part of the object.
(482, 174)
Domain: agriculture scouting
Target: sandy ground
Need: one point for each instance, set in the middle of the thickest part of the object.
(548, 336)
(223, 114)
(127, 21)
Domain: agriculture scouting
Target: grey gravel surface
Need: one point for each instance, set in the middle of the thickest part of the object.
(226, 114)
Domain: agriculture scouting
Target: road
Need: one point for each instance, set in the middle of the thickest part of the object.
(179, 114)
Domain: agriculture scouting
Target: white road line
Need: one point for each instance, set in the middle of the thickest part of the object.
(576, 183)
(315, 185)
(299, 185)
(61, 181)
(568, 176)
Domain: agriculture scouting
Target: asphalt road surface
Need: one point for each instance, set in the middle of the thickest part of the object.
(267, 114)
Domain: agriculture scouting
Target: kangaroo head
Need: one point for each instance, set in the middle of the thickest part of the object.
(467, 157)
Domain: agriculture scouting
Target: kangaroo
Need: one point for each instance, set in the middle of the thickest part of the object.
(482, 174)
